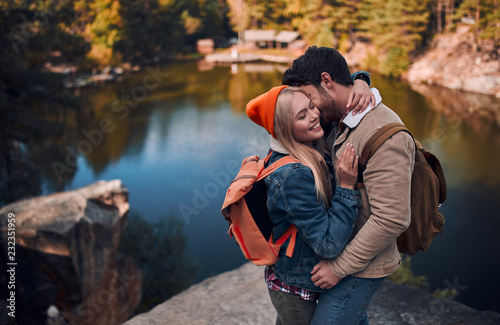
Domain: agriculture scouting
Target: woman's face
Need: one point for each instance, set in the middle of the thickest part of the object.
(305, 124)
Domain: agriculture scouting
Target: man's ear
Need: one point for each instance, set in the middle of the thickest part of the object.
(326, 80)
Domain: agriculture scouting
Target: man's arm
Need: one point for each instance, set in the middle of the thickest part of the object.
(387, 180)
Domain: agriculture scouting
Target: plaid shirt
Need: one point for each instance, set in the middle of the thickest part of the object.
(275, 284)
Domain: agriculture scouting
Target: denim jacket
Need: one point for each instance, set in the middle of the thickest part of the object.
(321, 233)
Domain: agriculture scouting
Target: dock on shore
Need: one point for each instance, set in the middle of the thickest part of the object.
(230, 58)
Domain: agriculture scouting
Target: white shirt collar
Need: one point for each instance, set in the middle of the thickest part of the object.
(353, 120)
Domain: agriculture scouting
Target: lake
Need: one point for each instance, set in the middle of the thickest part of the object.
(176, 135)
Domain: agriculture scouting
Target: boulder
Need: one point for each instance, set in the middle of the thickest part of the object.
(66, 255)
(241, 297)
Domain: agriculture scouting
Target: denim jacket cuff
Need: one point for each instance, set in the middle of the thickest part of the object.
(346, 193)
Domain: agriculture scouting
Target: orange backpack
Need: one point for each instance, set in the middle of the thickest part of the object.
(246, 211)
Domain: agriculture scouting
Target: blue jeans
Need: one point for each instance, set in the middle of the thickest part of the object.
(347, 302)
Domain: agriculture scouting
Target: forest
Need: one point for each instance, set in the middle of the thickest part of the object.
(90, 33)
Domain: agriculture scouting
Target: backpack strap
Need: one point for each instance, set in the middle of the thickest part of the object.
(275, 165)
(374, 142)
(291, 232)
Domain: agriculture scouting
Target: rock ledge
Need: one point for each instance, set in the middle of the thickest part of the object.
(240, 297)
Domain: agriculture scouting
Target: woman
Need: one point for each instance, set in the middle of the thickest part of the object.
(301, 194)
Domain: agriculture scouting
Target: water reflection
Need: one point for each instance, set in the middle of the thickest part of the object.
(466, 134)
(34, 131)
(481, 112)
(158, 249)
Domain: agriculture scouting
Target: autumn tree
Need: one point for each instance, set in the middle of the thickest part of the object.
(396, 27)
(239, 17)
(346, 17)
(314, 20)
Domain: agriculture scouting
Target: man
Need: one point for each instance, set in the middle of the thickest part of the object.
(371, 255)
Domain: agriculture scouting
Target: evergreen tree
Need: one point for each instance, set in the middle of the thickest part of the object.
(315, 21)
(485, 14)
(491, 23)
(396, 27)
(346, 17)
(395, 23)
(152, 30)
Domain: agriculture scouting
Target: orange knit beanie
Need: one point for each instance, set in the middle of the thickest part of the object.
(261, 109)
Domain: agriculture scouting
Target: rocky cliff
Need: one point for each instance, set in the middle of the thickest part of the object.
(240, 297)
(459, 61)
(66, 265)
(456, 61)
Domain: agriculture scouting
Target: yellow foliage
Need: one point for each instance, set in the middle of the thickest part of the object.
(344, 43)
(191, 24)
(101, 56)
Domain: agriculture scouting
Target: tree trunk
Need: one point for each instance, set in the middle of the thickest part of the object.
(497, 24)
(440, 16)
(450, 6)
(478, 14)
(253, 18)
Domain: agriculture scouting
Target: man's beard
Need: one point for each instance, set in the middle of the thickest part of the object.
(328, 111)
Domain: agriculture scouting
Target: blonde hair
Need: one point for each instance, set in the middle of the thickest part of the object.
(309, 156)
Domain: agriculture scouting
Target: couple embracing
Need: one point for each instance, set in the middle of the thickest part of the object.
(346, 240)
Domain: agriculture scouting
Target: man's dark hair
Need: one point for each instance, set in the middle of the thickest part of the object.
(307, 69)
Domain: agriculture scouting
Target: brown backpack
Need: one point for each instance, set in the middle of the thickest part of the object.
(428, 191)
(245, 209)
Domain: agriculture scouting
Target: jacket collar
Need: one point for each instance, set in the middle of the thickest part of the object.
(278, 146)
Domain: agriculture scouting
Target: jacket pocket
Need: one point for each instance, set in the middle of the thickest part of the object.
(306, 260)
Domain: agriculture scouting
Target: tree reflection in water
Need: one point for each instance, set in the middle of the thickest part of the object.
(34, 122)
(159, 251)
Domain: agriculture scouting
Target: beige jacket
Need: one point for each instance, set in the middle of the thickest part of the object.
(385, 209)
